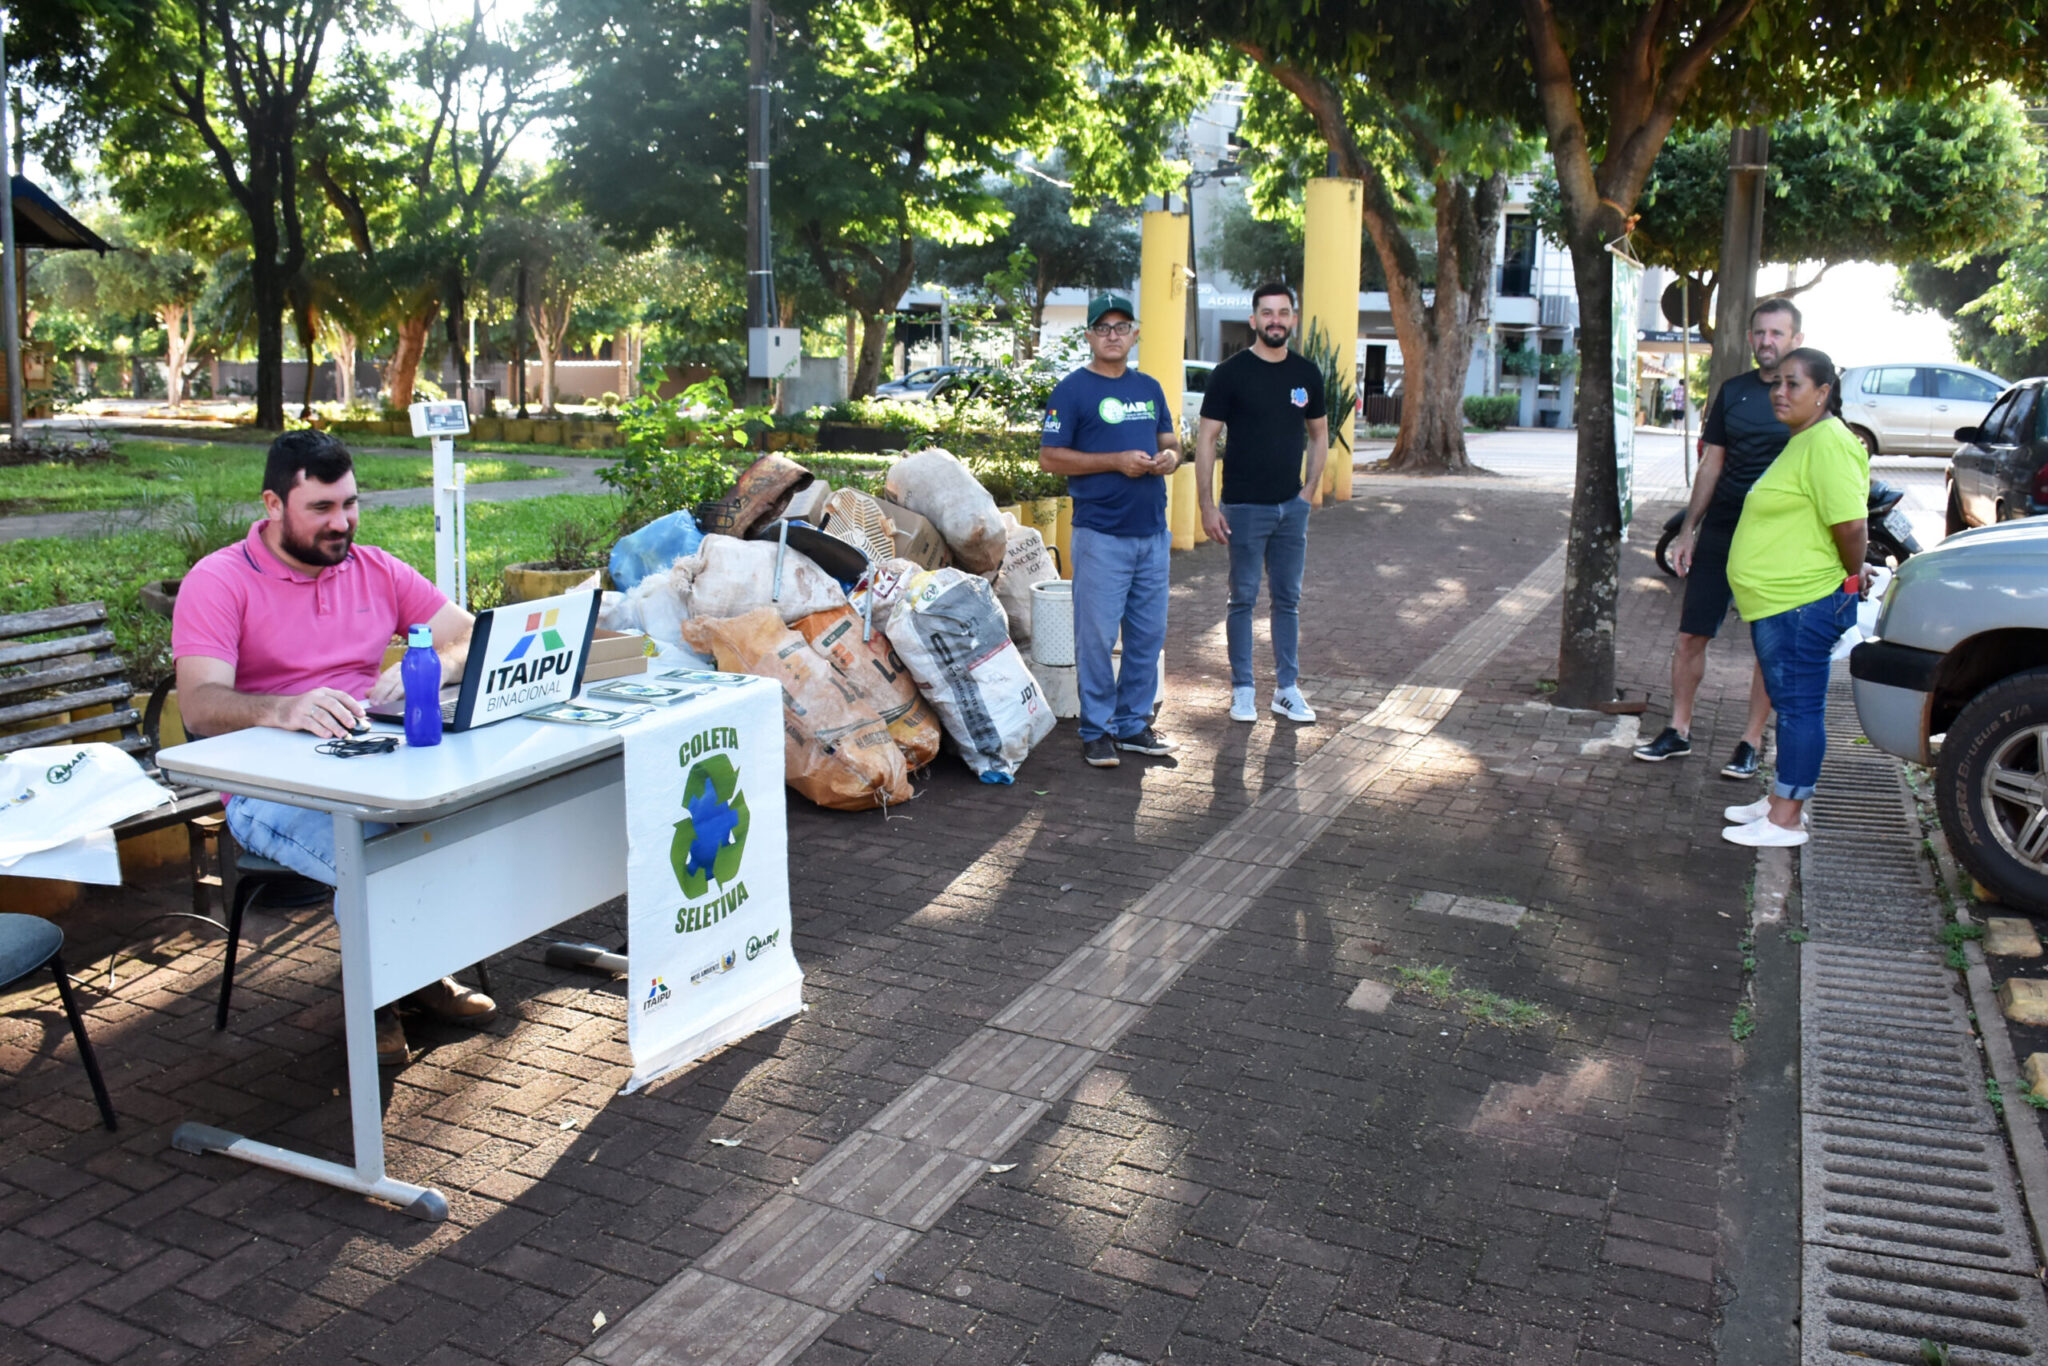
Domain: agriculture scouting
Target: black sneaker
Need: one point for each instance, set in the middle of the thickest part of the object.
(1147, 741)
(1669, 745)
(1744, 764)
(1100, 752)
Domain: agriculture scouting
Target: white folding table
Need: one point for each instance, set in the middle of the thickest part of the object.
(502, 833)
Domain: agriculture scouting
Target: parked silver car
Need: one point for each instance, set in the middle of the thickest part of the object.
(1958, 678)
(1913, 409)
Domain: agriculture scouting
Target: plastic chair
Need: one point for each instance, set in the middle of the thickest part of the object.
(28, 942)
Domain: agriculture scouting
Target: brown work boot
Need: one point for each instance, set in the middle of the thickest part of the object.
(453, 1003)
(391, 1049)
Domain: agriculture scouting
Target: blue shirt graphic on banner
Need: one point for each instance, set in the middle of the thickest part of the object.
(1097, 415)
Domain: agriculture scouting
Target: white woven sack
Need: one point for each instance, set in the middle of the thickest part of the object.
(729, 578)
(937, 487)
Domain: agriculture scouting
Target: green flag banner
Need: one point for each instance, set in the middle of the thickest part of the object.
(1628, 284)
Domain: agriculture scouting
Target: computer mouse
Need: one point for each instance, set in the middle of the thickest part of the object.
(361, 727)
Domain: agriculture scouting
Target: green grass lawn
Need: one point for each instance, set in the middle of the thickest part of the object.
(257, 436)
(112, 568)
(215, 471)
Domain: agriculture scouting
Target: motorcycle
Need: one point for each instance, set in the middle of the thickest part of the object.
(1891, 536)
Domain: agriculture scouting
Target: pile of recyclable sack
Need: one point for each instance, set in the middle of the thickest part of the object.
(910, 638)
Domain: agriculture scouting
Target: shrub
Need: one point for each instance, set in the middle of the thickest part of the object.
(678, 450)
(1491, 413)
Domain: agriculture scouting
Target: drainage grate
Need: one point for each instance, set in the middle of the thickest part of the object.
(1862, 1308)
(1940, 1196)
(1913, 1227)
(1886, 1039)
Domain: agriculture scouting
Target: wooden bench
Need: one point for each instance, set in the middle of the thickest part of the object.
(59, 661)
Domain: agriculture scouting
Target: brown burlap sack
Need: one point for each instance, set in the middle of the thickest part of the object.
(873, 668)
(759, 495)
(836, 751)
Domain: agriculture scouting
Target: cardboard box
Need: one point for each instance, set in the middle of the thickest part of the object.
(916, 539)
(614, 654)
(596, 671)
(610, 646)
(808, 503)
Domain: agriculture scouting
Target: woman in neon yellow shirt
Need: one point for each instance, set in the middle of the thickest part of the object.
(1795, 567)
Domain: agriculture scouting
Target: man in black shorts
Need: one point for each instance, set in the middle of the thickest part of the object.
(1742, 437)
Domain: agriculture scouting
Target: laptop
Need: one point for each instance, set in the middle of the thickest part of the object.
(522, 657)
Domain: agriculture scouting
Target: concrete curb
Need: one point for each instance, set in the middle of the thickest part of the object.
(2029, 1152)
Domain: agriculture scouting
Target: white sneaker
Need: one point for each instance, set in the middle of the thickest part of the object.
(1761, 834)
(1743, 815)
(1756, 810)
(1289, 703)
(1244, 705)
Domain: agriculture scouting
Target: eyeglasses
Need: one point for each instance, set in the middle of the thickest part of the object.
(1113, 329)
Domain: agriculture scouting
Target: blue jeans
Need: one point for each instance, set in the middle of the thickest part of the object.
(301, 840)
(1792, 648)
(1272, 537)
(1119, 585)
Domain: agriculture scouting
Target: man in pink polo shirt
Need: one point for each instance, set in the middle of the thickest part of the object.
(287, 628)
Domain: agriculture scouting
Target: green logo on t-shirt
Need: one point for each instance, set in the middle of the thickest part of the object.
(1115, 410)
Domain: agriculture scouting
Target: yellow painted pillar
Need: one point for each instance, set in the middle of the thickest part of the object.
(1329, 295)
(1162, 312)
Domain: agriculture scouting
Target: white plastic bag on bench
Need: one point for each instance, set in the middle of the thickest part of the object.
(52, 795)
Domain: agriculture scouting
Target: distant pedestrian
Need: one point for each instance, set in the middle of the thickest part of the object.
(1738, 443)
(1796, 567)
(1108, 429)
(1269, 400)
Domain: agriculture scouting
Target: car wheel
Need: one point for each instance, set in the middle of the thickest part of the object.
(1868, 438)
(1953, 518)
(1992, 789)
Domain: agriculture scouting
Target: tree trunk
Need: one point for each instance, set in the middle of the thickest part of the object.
(266, 283)
(402, 374)
(874, 340)
(342, 343)
(1433, 420)
(454, 296)
(177, 321)
(1592, 573)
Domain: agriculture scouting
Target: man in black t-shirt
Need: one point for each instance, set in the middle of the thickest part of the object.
(1271, 400)
(1742, 436)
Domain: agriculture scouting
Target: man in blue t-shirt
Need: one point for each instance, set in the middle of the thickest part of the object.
(1109, 430)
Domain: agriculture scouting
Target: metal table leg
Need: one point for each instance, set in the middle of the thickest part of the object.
(365, 1093)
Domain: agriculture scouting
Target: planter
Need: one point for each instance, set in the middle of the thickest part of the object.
(788, 441)
(1064, 535)
(525, 582)
(1044, 517)
(488, 429)
(846, 436)
(1014, 511)
(515, 429)
(161, 595)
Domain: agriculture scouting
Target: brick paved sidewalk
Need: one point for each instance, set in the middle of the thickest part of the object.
(1255, 1172)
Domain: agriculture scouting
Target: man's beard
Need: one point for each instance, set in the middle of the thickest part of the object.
(323, 549)
(1275, 336)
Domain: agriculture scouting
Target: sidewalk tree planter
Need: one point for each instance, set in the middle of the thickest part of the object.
(576, 550)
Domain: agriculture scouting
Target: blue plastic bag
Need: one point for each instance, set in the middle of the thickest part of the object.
(653, 548)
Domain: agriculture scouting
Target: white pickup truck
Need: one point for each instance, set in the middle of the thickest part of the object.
(1958, 678)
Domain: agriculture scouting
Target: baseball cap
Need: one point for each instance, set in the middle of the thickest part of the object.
(1109, 303)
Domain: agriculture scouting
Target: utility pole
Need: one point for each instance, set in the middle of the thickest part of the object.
(762, 314)
(10, 303)
(1742, 245)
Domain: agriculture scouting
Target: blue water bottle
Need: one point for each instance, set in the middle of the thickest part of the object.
(420, 672)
